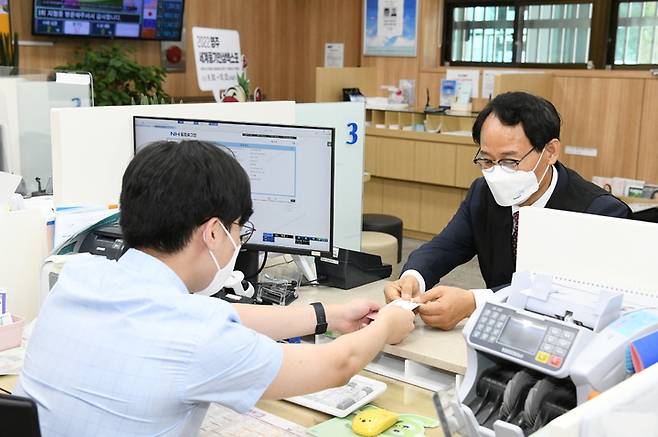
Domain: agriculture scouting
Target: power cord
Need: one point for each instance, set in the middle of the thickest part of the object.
(260, 269)
(314, 282)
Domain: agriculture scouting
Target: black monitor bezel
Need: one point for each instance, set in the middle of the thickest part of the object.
(261, 247)
(105, 38)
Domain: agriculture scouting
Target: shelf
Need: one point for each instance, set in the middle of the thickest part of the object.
(421, 136)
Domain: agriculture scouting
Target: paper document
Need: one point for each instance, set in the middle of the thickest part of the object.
(399, 303)
(334, 54)
(222, 421)
(69, 222)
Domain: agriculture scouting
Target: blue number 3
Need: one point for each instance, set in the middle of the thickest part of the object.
(352, 133)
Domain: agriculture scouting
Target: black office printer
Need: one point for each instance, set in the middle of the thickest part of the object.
(104, 241)
(351, 269)
(103, 238)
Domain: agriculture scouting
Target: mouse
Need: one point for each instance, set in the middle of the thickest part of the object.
(373, 421)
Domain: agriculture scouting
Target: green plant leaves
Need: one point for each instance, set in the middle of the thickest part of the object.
(118, 78)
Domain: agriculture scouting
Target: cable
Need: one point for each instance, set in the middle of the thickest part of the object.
(260, 269)
(314, 282)
(5, 391)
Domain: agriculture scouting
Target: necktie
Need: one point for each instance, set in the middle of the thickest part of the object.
(515, 231)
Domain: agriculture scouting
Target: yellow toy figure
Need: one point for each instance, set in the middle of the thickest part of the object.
(373, 421)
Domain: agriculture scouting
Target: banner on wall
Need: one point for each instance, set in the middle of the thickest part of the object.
(390, 27)
(218, 58)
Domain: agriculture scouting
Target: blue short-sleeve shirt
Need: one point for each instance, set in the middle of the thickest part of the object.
(122, 348)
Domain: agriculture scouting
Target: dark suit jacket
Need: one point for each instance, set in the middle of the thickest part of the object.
(482, 227)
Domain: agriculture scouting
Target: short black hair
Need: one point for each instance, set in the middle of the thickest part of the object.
(539, 118)
(171, 188)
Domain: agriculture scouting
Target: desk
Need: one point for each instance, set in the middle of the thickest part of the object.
(445, 350)
(398, 397)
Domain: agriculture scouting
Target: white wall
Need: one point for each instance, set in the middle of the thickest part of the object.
(23, 242)
(9, 124)
(348, 164)
(91, 147)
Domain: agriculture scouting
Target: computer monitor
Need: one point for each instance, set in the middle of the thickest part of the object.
(291, 173)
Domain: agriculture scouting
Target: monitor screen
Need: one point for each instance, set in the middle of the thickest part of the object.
(291, 173)
(136, 19)
(523, 335)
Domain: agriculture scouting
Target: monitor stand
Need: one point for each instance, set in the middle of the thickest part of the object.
(306, 265)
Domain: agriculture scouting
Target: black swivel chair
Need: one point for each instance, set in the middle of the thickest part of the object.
(18, 417)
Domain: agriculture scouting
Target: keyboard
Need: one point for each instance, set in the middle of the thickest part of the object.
(342, 401)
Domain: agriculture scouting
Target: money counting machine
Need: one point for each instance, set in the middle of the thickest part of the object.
(541, 347)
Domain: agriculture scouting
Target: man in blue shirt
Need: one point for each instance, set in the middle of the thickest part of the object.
(134, 347)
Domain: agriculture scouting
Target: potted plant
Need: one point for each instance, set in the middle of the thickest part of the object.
(9, 51)
(118, 79)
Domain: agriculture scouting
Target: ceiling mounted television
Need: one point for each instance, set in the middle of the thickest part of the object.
(134, 19)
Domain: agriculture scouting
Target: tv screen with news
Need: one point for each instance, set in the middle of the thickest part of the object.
(133, 19)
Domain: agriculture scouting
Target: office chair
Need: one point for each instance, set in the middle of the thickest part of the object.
(18, 417)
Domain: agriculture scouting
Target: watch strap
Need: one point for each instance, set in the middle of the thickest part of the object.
(320, 317)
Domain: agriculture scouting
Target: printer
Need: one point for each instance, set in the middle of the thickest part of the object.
(540, 347)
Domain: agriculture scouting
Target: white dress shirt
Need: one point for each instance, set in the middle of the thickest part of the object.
(481, 295)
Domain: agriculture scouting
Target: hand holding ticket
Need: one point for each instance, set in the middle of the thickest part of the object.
(398, 302)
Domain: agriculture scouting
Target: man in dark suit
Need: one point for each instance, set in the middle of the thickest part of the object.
(519, 139)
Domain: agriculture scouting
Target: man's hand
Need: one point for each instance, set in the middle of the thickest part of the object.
(351, 316)
(444, 307)
(406, 288)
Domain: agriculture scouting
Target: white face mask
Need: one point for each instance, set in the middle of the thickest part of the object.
(223, 273)
(513, 188)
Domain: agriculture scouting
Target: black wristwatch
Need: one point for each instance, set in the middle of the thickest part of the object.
(320, 317)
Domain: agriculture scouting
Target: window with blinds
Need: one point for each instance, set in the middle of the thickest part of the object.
(636, 35)
(557, 33)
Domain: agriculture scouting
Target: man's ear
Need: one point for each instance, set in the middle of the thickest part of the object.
(553, 149)
(209, 231)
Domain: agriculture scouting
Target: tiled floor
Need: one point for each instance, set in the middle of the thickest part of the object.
(465, 276)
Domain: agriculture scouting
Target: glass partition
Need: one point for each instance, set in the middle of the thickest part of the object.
(26, 98)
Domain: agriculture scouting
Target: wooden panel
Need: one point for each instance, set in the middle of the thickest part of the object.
(370, 154)
(465, 171)
(437, 206)
(647, 165)
(395, 159)
(603, 114)
(430, 22)
(435, 163)
(402, 199)
(452, 123)
(316, 23)
(538, 84)
(331, 81)
(372, 196)
(282, 39)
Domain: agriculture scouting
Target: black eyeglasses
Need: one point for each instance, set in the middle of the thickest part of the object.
(510, 165)
(246, 231)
